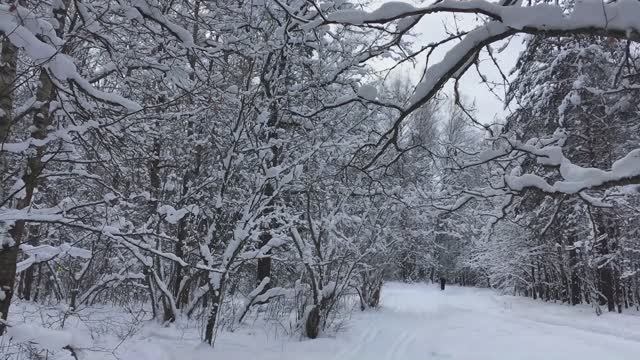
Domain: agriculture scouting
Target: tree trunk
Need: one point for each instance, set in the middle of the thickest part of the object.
(564, 295)
(28, 283)
(8, 252)
(178, 271)
(27, 278)
(533, 283)
(213, 316)
(38, 282)
(264, 263)
(8, 258)
(605, 280)
(312, 323)
(618, 292)
(606, 288)
(575, 295)
(8, 62)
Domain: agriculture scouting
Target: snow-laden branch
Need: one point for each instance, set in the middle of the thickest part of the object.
(23, 27)
(59, 134)
(619, 17)
(44, 253)
(57, 215)
(143, 8)
(624, 171)
(616, 19)
(438, 74)
(394, 10)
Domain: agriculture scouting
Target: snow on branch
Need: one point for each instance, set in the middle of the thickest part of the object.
(618, 19)
(153, 13)
(438, 74)
(44, 253)
(619, 16)
(57, 215)
(62, 133)
(261, 296)
(22, 28)
(624, 171)
(109, 280)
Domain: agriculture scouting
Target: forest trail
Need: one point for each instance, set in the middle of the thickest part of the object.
(421, 322)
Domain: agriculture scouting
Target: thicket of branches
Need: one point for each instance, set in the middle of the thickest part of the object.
(192, 154)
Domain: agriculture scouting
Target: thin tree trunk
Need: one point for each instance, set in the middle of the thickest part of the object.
(216, 303)
(573, 267)
(8, 62)
(38, 282)
(8, 251)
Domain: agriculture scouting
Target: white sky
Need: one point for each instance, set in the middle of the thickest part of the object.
(432, 28)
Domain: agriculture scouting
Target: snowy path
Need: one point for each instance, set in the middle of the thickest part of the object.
(420, 322)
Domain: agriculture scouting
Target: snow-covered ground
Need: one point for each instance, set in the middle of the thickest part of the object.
(415, 322)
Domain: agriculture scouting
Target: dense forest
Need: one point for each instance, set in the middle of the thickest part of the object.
(215, 160)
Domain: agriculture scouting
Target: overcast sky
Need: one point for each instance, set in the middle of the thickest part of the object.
(432, 28)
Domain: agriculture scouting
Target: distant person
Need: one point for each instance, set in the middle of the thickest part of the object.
(443, 282)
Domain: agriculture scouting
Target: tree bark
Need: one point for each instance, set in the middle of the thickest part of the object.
(209, 330)
(8, 62)
(8, 252)
(575, 295)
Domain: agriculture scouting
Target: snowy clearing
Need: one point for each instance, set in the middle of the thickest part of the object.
(421, 322)
(414, 322)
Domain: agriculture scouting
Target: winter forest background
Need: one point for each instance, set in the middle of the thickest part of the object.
(226, 163)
